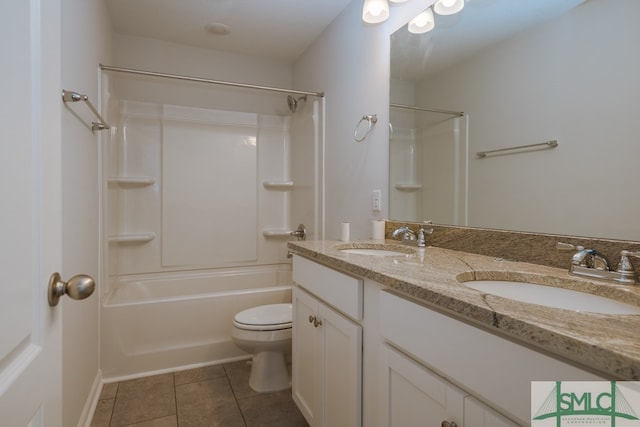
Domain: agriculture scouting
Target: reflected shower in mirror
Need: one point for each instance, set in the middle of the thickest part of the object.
(428, 151)
(523, 73)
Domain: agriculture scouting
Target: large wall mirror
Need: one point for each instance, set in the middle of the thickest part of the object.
(522, 73)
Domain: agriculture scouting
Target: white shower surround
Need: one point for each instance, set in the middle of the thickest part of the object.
(186, 207)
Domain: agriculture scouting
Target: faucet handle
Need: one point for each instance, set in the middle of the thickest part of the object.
(625, 264)
(568, 247)
(422, 240)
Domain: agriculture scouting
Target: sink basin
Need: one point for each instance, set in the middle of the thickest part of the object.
(550, 296)
(374, 249)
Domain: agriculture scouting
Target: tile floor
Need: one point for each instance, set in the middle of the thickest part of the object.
(211, 396)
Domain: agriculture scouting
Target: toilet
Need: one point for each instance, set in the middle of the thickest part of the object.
(265, 332)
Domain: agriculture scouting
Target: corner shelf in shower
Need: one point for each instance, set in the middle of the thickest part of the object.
(125, 238)
(278, 185)
(408, 187)
(131, 181)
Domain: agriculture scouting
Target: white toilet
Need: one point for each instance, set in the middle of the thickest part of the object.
(265, 331)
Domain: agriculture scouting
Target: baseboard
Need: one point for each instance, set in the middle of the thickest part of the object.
(174, 369)
(92, 401)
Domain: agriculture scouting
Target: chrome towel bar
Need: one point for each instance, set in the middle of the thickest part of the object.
(70, 96)
(547, 144)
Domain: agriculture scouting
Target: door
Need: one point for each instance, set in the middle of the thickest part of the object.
(418, 397)
(476, 414)
(30, 213)
(306, 378)
(341, 341)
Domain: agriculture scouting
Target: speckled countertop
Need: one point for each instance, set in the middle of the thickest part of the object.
(606, 344)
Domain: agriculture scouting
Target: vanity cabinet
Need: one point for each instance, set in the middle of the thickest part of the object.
(327, 345)
(364, 354)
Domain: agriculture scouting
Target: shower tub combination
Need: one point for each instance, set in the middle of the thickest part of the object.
(200, 192)
(157, 322)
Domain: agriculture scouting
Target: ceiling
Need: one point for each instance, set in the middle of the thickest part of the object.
(277, 29)
(284, 29)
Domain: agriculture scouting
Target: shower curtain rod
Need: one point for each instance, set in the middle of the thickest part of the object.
(201, 80)
(430, 110)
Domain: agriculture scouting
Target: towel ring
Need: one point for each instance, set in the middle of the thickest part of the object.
(371, 119)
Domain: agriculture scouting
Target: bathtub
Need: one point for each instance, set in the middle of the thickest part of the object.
(169, 321)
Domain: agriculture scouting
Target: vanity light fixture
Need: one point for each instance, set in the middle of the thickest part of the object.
(448, 7)
(422, 23)
(375, 11)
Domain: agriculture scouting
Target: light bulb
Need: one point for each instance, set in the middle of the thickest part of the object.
(448, 7)
(422, 23)
(375, 11)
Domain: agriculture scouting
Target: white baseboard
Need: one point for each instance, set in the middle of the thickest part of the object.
(92, 401)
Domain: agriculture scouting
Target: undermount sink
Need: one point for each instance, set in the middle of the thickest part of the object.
(550, 296)
(375, 249)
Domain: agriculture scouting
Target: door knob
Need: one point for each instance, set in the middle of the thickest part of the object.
(78, 287)
(446, 423)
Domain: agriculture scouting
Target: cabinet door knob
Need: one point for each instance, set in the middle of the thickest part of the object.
(448, 424)
(317, 322)
(311, 318)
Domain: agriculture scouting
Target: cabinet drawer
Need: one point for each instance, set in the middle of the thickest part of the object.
(337, 289)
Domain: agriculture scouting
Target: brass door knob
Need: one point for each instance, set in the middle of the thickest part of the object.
(78, 287)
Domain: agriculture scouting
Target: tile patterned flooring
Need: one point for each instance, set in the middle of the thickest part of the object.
(211, 396)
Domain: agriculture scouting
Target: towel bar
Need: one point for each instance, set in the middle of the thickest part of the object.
(70, 96)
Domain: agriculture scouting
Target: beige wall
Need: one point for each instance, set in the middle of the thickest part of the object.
(85, 43)
(350, 63)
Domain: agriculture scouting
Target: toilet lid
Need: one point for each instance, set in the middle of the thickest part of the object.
(271, 316)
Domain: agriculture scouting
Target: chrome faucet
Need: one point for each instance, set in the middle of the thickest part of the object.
(404, 233)
(590, 263)
(590, 258)
(410, 237)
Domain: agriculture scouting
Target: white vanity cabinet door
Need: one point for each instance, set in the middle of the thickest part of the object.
(327, 363)
(417, 396)
(306, 379)
(476, 414)
(342, 344)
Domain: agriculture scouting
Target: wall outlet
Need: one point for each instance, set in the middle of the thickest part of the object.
(376, 200)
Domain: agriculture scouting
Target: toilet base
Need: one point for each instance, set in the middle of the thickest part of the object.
(269, 372)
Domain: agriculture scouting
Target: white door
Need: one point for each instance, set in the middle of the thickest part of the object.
(342, 344)
(30, 212)
(306, 375)
(418, 397)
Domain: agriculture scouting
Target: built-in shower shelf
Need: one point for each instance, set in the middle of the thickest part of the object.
(408, 187)
(276, 233)
(132, 238)
(132, 181)
(278, 185)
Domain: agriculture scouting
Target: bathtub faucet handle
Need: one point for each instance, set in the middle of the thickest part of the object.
(300, 232)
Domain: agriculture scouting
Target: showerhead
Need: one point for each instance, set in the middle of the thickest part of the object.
(293, 103)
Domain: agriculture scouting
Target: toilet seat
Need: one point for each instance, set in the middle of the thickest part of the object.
(268, 317)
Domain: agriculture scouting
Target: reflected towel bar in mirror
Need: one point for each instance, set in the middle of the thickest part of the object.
(547, 144)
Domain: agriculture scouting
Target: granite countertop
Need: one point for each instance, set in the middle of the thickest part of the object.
(605, 344)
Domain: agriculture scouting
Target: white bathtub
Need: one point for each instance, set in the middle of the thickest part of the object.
(167, 321)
